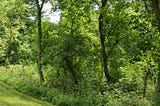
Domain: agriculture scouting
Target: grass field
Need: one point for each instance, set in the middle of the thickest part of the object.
(11, 97)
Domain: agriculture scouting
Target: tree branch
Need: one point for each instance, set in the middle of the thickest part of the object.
(37, 3)
(42, 4)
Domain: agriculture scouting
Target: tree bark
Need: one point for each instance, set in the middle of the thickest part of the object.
(102, 41)
(39, 26)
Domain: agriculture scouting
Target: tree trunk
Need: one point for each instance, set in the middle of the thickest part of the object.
(69, 63)
(102, 41)
(39, 25)
(145, 83)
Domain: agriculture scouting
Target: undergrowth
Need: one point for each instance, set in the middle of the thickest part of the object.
(25, 79)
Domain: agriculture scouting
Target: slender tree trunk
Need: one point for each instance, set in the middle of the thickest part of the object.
(39, 25)
(69, 64)
(102, 41)
(145, 83)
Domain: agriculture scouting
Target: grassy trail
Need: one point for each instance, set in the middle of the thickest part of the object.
(11, 97)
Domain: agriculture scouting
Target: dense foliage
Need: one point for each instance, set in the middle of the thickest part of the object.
(100, 53)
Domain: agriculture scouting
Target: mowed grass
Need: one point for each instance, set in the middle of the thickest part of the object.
(11, 97)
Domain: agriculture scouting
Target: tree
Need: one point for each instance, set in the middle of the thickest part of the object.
(73, 20)
(102, 39)
(13, 30)
(39, 26)
(114, 23)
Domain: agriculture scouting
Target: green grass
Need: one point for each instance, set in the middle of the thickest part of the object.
(25, 80)
(11, 97)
